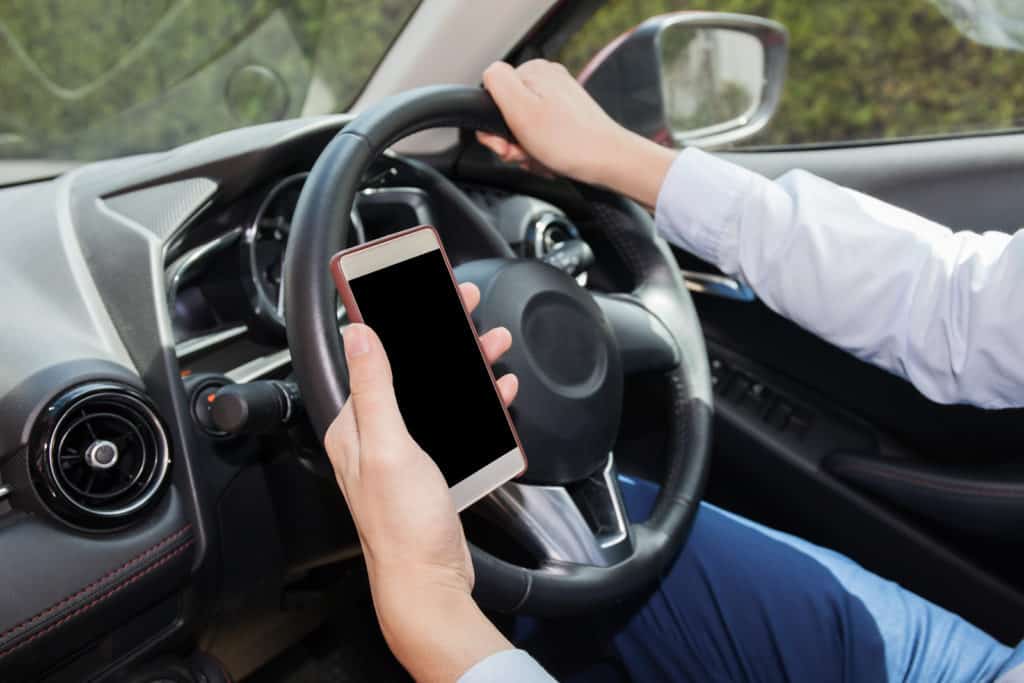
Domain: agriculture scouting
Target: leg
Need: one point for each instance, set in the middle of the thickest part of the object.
(743, 602)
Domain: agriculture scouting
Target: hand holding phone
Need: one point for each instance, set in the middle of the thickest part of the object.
(402, 286)
(415, 550)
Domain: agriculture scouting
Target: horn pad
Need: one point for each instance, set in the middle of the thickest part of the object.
(566, 358)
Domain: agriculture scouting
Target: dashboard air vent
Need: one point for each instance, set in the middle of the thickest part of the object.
(101, 457)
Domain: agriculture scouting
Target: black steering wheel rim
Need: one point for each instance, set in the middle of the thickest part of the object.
(320, 228)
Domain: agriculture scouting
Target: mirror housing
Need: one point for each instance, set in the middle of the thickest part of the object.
(706, 79)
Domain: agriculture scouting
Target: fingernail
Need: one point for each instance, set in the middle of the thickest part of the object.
(357, 340)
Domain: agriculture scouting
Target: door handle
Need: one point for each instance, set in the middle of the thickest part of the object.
(717, 285)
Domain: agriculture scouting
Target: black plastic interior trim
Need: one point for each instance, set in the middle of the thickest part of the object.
(982, 502)
(779, 477)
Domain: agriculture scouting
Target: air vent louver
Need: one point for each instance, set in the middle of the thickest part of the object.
(101, 457)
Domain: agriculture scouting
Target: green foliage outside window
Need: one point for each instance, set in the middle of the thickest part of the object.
(88, 79)
(858, 69)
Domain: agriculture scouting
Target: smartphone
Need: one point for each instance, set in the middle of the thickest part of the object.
(402, 286)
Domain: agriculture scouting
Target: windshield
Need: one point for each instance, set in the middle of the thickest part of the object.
(94, 79)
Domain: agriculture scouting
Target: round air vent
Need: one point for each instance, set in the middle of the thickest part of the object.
(101, 455)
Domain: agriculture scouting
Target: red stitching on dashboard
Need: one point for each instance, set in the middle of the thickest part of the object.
(53, 608)
(84, 608)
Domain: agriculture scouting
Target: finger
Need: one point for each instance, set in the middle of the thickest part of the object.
(470, 295)
(507, 151)
(495, 143)
(508, 387)
(542, 77)
(372, 393)
(515, 154)
(496, 343)
(509, 92)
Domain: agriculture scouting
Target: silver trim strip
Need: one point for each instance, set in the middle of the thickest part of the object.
(550, 523)
(260, 367)
(192, 346)
(264, 365)
(618, 509)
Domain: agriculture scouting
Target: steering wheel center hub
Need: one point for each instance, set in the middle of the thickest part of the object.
(567, 361)
(565, 344)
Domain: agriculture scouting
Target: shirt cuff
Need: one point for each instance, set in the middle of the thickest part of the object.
(507, 665)
(700, 205)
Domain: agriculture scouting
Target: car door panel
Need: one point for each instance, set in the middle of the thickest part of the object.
(819, 443)
(965, 183)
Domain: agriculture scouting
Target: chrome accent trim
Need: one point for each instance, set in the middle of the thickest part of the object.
(163, 456)
(4, 491)
(611, 483)
(357, 225)
(93, 460)
(260, 367)
(548, 520)
(195, 345)
(276, 309)
(540, 242)
(264, 365)
(176, 273)
(415, 198)
(717, 285)
(286, 398)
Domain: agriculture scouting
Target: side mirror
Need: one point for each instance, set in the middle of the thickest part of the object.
(692, 78)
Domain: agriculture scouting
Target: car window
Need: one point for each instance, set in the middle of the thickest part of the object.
(858, 70)
(92, 79)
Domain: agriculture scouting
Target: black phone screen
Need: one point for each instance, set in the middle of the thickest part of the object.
(444, 390)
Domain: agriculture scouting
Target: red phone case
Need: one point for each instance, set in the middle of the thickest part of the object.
(352, 308)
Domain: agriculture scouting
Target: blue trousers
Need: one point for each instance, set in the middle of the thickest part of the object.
(746, 603)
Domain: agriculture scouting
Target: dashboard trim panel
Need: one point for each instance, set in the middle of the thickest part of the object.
(190, 347)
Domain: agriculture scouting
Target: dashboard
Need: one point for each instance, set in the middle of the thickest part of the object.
(225, 294)
(132, 531)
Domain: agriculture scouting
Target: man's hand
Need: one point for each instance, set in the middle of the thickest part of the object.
(560, 127)
(416, 555)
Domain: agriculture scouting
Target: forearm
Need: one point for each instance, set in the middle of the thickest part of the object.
(438, 635)
(633, 166)
(890, 287)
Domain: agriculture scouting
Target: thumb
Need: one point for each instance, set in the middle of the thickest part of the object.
(372, 391)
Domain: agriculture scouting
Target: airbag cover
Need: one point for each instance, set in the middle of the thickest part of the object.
(566, 358)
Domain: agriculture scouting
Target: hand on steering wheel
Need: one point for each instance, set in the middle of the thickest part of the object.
(416, 554)
(559, 128)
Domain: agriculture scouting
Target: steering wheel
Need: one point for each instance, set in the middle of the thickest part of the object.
(571, 351)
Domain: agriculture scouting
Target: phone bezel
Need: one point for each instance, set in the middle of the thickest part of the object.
(393, 249)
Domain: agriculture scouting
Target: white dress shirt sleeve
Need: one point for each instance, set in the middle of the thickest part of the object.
(507, 666)
(943, 310)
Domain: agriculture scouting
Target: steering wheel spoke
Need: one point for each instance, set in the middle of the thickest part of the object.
(645, 343)
(583, 523)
